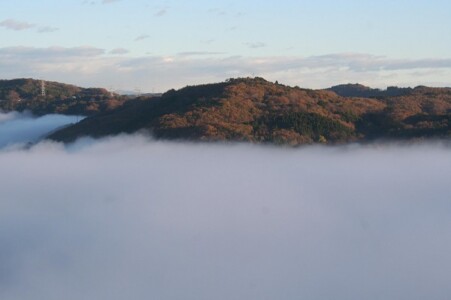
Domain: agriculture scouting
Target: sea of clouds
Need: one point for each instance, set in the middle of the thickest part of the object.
(22, 128)
(131, 218)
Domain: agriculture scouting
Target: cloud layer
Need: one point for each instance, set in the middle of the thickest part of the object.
(90, 66)
(23, 128)
(131, 218)
(16, 25)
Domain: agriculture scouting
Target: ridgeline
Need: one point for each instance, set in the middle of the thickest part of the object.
(243, 109)
(255, 110)
(26, 94)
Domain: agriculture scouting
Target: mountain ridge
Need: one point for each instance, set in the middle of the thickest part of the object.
(359, 90)
(258, 111)
(243, 109)
(26, 94)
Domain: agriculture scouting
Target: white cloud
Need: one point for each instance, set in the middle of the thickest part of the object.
(19, 25)
(255, 45)
(23, 128)
(199, 53)
(142, 37)
(46, 29)
(128, 218)
(367, 62)
(119, 51)
(50, 53)
(109, 1)
(88, 66)
(16, 25)
(4, 117)
(161, 12)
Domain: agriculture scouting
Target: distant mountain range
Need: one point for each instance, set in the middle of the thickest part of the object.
(358, 90)
(244, 110)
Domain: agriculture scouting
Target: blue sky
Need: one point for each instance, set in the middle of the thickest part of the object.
(156, 45)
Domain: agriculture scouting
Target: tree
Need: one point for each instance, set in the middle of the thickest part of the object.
(13, 96)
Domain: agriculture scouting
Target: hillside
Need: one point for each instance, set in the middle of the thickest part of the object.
(244, 109)
(25, 94)
(240, 110)
(255, 110)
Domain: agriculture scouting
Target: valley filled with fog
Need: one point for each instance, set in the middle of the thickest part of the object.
(128, 217)
(23, 128)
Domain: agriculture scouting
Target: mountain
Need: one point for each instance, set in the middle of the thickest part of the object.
(242, 109)
(25, 94)
(358, 90)
(255, 110)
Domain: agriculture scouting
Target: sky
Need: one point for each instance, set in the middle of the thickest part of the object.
(127, 217)
(158, 45)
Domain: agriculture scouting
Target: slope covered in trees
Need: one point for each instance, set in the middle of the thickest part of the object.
(25, 94)
(255, 110)
(243, 109)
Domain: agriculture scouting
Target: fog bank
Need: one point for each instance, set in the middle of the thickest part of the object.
(23, 128)
(131, 218)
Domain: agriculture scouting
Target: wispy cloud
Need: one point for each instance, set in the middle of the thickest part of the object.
(255, 45)
(89, 66)
(50, 53)
(142, 37)
(119, 51)
(161, 12)
(109, 1)
(11, 24)
(208, 41)
(16, 25)
(368, 62)
(46, 29)
(217, 12)
(199, 53)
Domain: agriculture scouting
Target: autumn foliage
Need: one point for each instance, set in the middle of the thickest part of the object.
(255, 110)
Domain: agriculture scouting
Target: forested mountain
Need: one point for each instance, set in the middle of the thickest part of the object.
(255, 110)
(26, 94)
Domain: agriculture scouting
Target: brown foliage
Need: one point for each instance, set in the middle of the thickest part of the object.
(253, 109)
